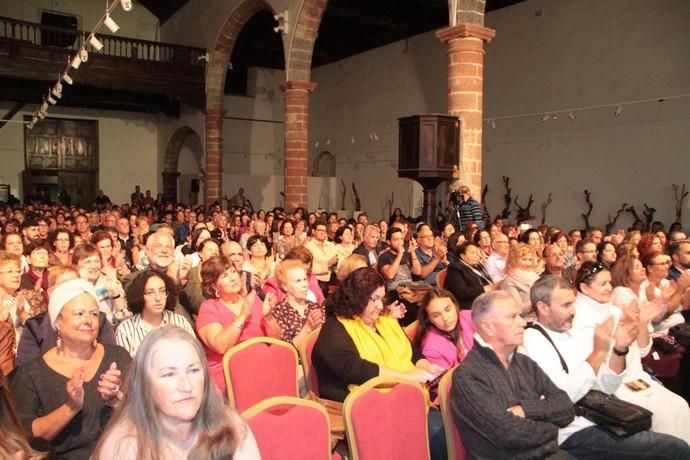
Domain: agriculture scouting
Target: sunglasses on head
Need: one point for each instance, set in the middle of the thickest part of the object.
(590, 271)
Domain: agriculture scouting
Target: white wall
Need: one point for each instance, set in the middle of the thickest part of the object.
(138, 23)
(128, 146)
(547, 56)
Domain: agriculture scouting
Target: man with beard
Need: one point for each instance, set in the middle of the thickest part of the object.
(559, 352)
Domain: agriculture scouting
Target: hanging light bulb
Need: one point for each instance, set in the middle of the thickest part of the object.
(126, 5)
(41, 115)
(57, 90)
(67, 79)
(83, 54)
(96, 43)
(76, 62)
(51, 99)
(110, 24)
(44, 108)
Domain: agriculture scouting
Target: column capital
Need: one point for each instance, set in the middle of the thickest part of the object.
(466, 30)
(298, 85)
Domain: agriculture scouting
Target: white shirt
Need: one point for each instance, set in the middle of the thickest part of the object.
(495, 265)
(131, 333)
(580, 377)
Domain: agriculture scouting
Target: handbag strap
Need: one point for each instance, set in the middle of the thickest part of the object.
(541, 329)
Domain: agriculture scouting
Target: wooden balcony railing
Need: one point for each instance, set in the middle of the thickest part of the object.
(116, 46)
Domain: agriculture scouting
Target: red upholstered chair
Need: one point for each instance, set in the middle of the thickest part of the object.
(411, 329)
(456, 449)
(288, 428)
(305, 349)
(387, 418)
(441, 278)
(258, 369)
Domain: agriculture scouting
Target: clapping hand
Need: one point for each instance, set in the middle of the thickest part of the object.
(602, 335)
(75, 391)
(109, 383)
(397, 310)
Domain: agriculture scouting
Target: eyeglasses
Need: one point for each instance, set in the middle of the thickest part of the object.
(158, 293)
(589, 271)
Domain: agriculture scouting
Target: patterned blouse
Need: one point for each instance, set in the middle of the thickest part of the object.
(291, 322)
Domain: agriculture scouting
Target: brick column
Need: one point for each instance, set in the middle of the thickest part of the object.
(465, 93)
(213, 183)
(296, 139)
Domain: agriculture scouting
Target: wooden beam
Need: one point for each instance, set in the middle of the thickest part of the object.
(13, 111)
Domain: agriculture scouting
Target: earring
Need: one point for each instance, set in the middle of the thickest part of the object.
(215, 293)
(95, 342)
(58, 342)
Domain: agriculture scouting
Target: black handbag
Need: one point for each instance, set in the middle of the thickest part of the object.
(615, 415)
(618, 416)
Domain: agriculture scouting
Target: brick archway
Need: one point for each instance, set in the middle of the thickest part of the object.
(215, 83)
(302, 46)
(172, 158)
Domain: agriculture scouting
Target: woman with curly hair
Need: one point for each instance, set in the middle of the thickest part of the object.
(152, 298)
(171, 409)
(357, 343)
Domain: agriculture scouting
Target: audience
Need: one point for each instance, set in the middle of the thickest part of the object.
(231, 299)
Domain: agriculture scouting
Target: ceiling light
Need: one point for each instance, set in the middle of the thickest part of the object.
(96, 43)
(51, 99)
(110, 24)
(67, 79)
(83, 54)
(126, 5)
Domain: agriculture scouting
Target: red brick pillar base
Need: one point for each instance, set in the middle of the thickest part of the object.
(213, 183)
(465, 94)
(296, 138)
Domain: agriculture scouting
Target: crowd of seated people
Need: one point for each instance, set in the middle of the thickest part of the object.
(108, 314)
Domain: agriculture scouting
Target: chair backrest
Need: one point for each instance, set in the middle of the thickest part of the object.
(456, 449)
(441, 278)
(305, 349)
(387, 418)
(286, 428)
(411, 329)
(258, 369)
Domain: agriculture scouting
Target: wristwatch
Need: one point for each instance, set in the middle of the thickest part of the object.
(623, 352)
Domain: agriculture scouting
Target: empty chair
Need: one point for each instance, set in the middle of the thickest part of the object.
(260, 368)
(288, 428)
(387, 419)
(411, 329)
(441, 278)
(456, 449)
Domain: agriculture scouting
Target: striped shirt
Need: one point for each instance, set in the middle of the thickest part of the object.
(131, 333)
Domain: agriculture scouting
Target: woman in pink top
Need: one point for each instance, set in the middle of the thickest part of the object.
(229, 316)
(445, 333)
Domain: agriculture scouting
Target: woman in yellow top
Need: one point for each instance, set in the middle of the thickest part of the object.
(357, 342)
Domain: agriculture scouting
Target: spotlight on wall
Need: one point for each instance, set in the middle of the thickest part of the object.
(51, 99)
(554, 116)
(618, 111)
(110, 24)
(126, 5)
(40, 115)
(546, 117)
(96, 43)
(283, 22)
(67, 79)
(492, 123)
(571, 115)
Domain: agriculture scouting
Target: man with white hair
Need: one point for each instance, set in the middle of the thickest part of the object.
(505, 406)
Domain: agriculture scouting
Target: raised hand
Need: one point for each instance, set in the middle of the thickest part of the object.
(270, 301)
(650, 311)
(109, 383)
(602, 335)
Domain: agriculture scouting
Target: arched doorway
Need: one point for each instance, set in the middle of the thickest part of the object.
(185, 143)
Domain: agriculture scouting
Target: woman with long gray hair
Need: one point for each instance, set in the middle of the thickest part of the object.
(171, 408)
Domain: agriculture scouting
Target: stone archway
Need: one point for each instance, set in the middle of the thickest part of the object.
(215, 82)
(324, 165)
(172, 159)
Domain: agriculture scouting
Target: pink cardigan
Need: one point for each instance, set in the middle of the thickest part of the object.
(439, 350)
